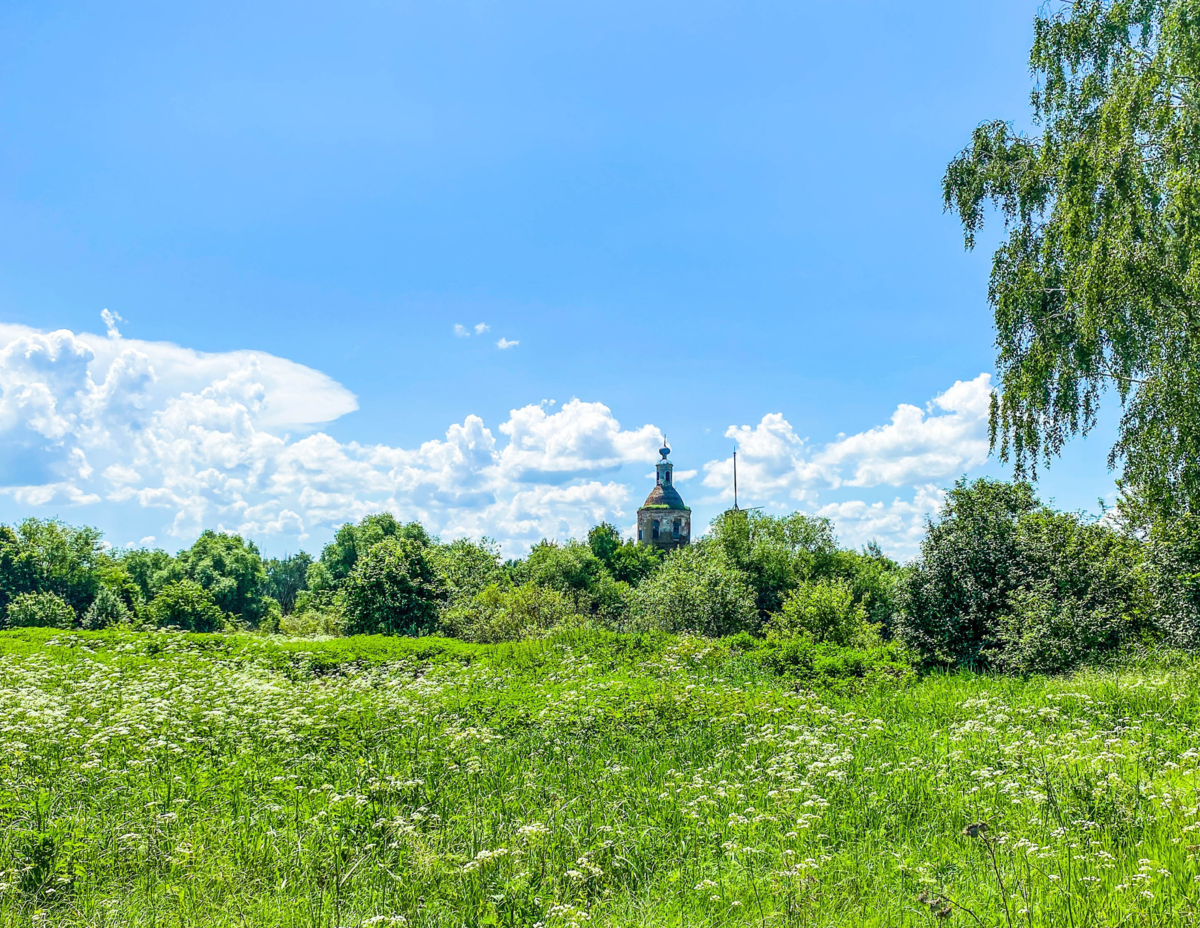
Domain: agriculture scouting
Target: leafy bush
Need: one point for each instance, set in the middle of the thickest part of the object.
(960, 585)
(106, 610)
(698, 591)
(39, 610)
(1005, 582)
(311, 623)
(392, 590)
(1173, 580)
(822, 610)
(1047, 633)
(513, 614)
(465, 568)
(185, 605)
(812, 662)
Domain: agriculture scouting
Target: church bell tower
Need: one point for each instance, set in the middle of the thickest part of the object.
(664, 521)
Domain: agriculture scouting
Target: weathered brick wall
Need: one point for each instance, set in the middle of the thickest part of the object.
(666, 535)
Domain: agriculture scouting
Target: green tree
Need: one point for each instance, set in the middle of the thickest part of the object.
(969, 564)
(698, 591)
(775, 553)
(39, 610)
(354, 540)
(287, 579)
(625, 560)
(54, 557)
(821, 610)
(392, 590)
(106, 610)
(150, 570)
(18, 573)
(187, 606)
(570, 568)
(466, 568)
(1096, 284)
(232, 571)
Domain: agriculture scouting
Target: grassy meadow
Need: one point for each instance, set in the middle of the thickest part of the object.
(589, 778)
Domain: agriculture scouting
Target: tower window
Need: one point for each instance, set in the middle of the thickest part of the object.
(675, 528)
(654, 529)
(667, 478)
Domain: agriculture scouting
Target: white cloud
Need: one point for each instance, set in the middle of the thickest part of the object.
(779, 469)
(110, 322)
(919, 444)
(505, 343)
(900, 523)
(228, 441)
(946, 439)
(481, 327)
(461, 330)
(232, 440)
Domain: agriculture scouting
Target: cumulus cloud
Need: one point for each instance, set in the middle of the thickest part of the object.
(461, 330)
(481, 327)
(232, 441)
(504, 343)
(917, 447)
(901, 523)
(944, 440)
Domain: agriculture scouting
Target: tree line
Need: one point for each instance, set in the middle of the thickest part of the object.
(1002, 582)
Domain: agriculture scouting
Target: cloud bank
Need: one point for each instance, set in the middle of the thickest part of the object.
(233, 441)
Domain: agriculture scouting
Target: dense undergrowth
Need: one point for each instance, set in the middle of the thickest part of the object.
(583, 778)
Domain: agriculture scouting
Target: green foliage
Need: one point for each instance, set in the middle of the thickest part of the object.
(822, 610)
(774, 553)
(287, 579)
(827, 663)
(696, 590)
(466, 567)
(626, 561)
(107, 609)
(232, 572)
(353, 541)
(1005, 582)
(185, 605)
(498, 614)
(1096, 285)
(392, 590)
(39, 610)
(969, 564)
(149, 569)
(582, 778)
(1173, 579)
(53, 557)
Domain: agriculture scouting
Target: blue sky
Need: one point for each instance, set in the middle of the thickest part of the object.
(718, 220)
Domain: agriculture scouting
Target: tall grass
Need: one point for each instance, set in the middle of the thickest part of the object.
(585, 779)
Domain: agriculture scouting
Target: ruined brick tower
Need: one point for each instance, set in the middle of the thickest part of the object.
(664, 521)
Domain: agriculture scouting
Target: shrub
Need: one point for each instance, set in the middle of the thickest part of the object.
(1046, 633)
(311, 623)
(39, 610)
(1173, 580)
(498, 614)
(960, 584)
(1003, 581)
(823, 610)
(803, 659)
(106, 610)
(696, 591)
(187, 606)
(392, 590)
